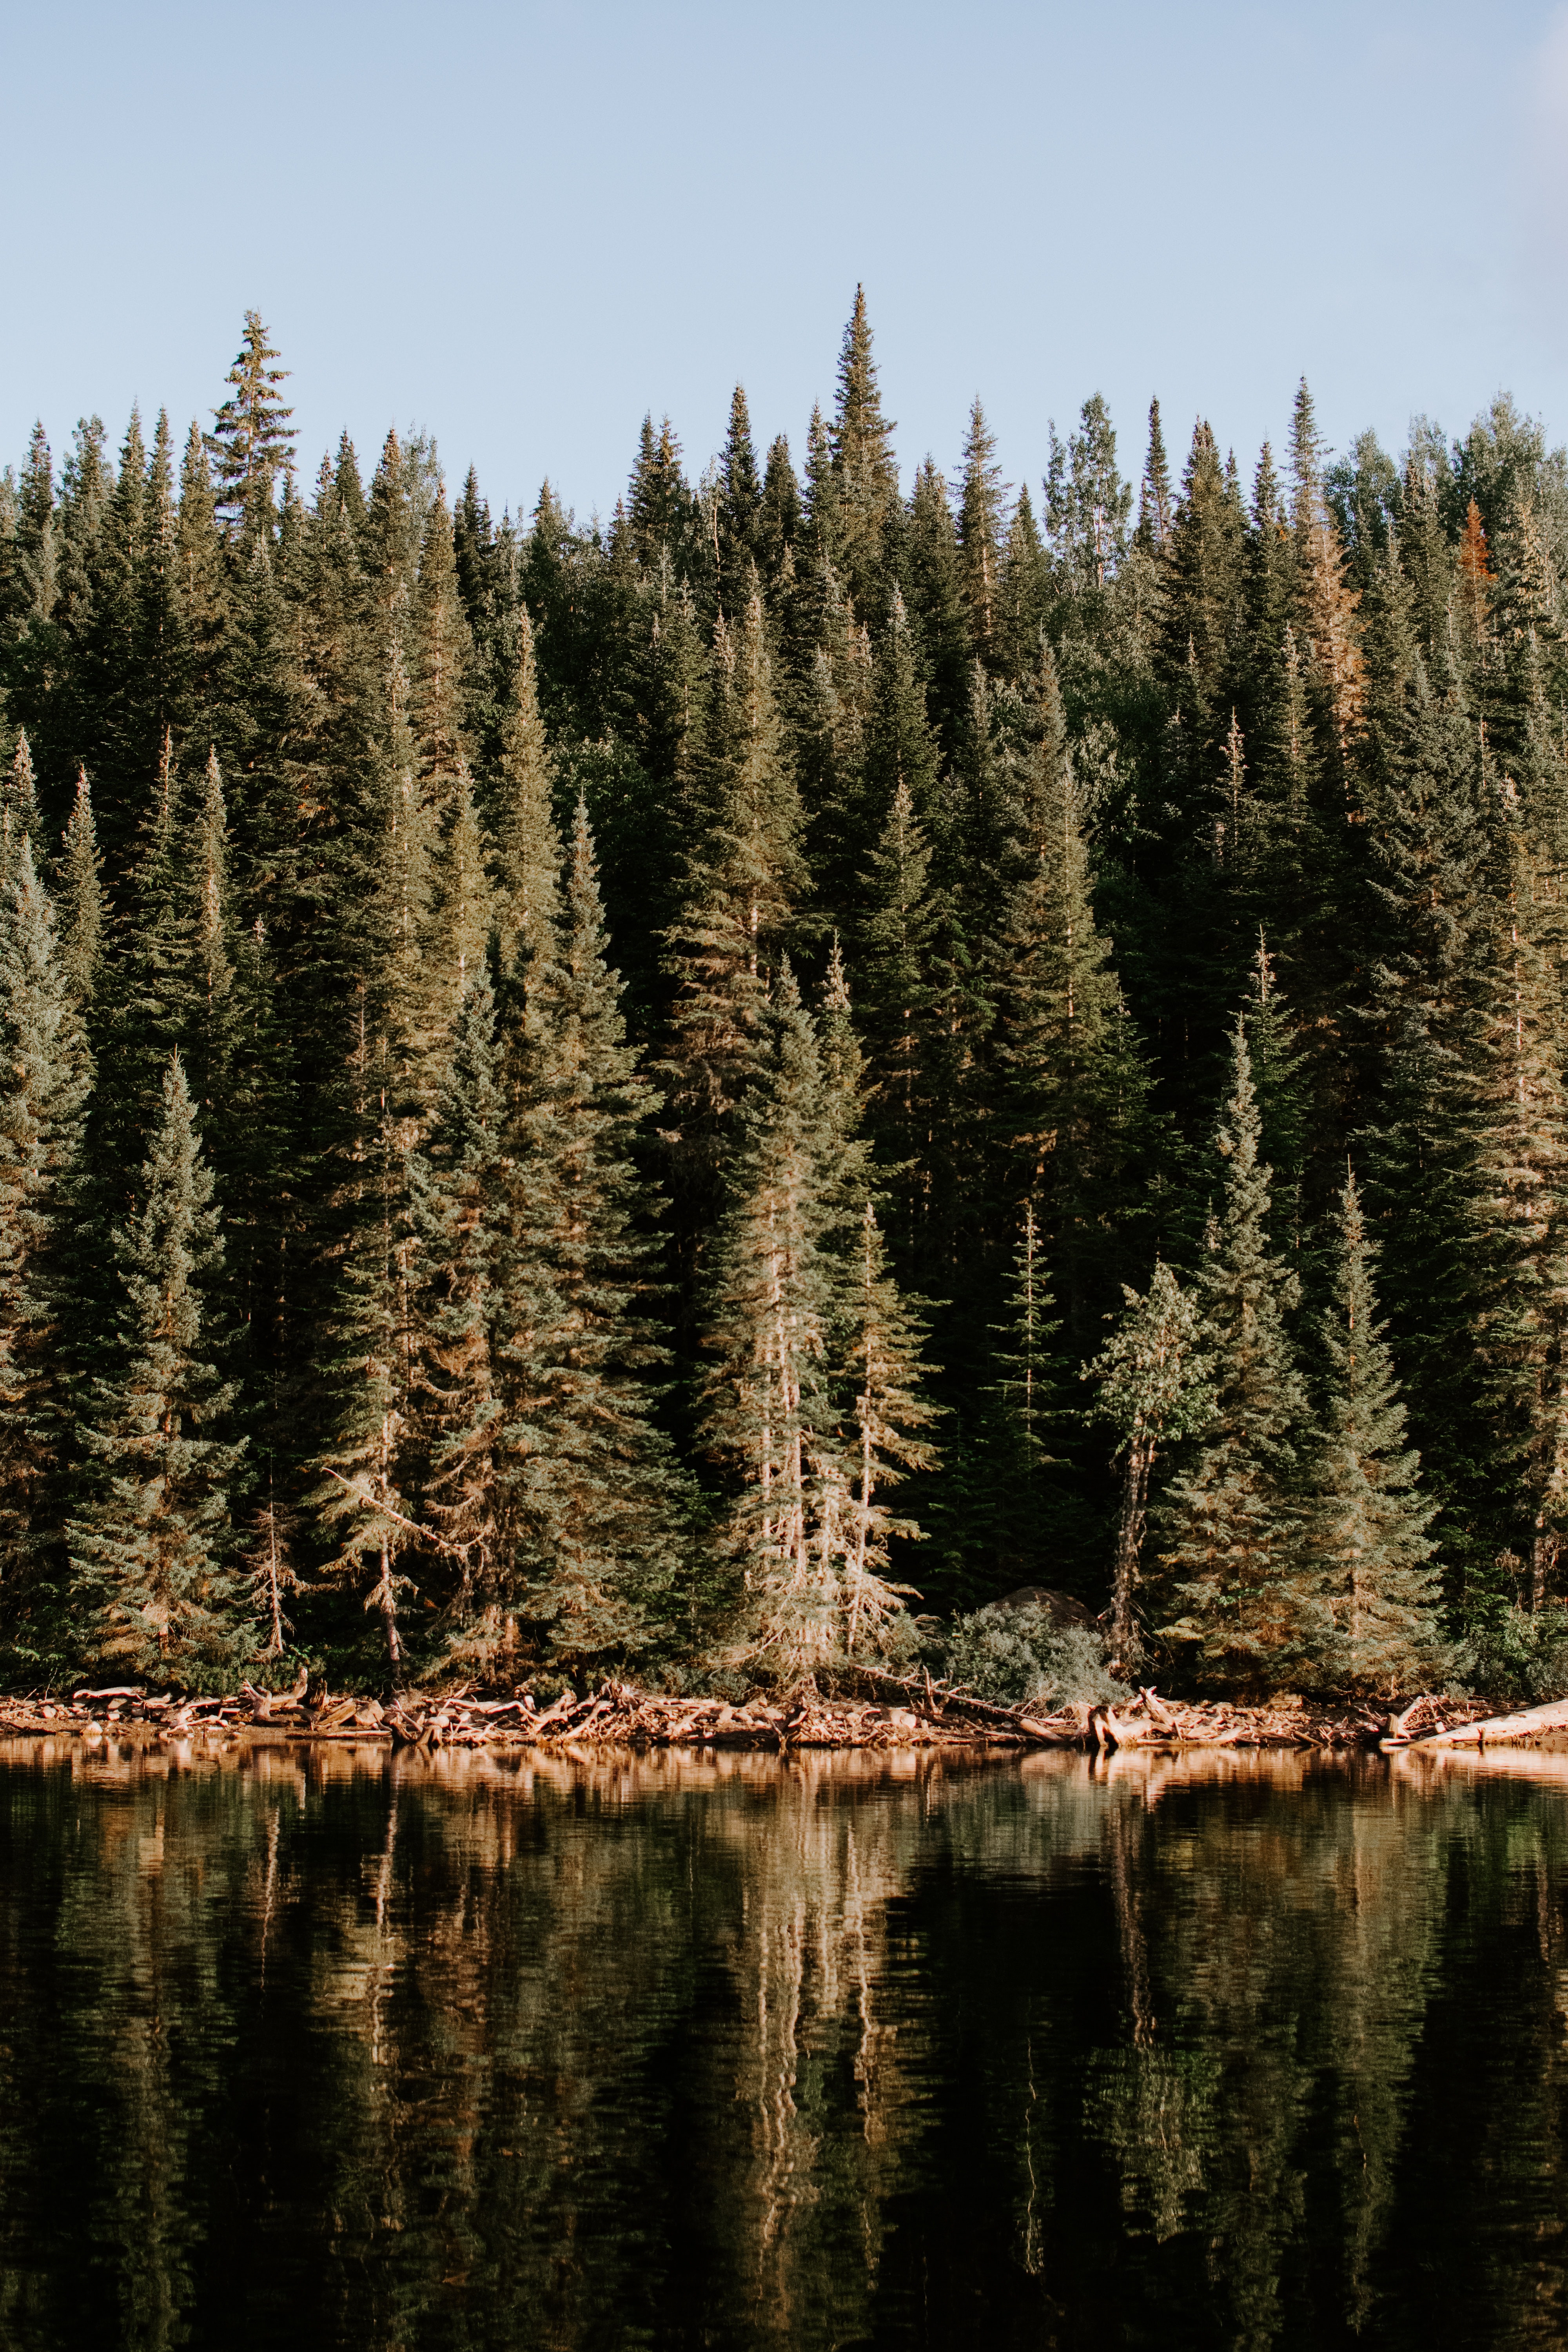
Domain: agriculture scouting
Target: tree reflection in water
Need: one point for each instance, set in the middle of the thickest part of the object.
(323, 2047)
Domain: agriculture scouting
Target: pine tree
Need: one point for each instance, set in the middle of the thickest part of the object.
(878, 1336)
(659, 502)
(745, 878)
(1068, 1097)
(590, 1494)
(82, 897)
(897, 927)
(456, 1192)
(1151, 1388)
(252, 438)
(19, 819)
(766, 1410)
(442, 659)
(1156, 509)
(522, 824)
(150, 1541)
(1366, 1516)
(212, 1017)
(44, 1078)
(882, 1339)
(366, 1369)
(778, 519)
(864, 475)
(739, 508)
(1025, 1394)
(201, 589)
(1235, 1560)
(982, 527)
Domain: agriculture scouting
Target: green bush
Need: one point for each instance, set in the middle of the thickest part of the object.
(1522, 1657)
(1009, 1655)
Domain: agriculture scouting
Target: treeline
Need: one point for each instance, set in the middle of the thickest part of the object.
(641, 1094)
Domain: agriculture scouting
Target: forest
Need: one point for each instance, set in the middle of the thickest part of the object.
(706, 1093)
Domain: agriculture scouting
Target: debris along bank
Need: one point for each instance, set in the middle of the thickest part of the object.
(857, 1708)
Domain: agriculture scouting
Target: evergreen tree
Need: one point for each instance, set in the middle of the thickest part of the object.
(1068, 1097)
(1151, 1375)
(590, 1493)
(865, 474)
(1156, 507)
(1240, 1609)
(150, 1541)
(882, 1342)
(82, 897)
(456, 1190)
(767, 1408)
(45, 1074)
(981, 529)
(745, 878)
(251, 439)
(1366, 1517)
(522, 824)
(740, 507)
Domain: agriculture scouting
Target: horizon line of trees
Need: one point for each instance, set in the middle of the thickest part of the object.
(573, 1097)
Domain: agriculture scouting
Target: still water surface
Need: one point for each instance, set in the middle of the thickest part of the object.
(316, 2048)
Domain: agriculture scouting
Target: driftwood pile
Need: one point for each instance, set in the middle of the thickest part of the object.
(857, 1707)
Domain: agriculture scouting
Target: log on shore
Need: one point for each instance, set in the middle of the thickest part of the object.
(1502, 1730)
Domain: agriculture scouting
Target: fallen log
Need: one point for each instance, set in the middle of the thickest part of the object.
(1499, 1730)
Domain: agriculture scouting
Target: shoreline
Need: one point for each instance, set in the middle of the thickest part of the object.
(896, 1716)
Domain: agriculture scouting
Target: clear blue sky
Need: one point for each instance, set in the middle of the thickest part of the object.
(521, 227)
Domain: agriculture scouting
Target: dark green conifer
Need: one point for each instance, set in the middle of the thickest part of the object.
(1376, 1592)
(1151, 1388)
(778, 519)
(80, 891)
(455, 1192)
(740, 507)
(981, 529)
(45, 1072)
(766, 1416)
(588, 1487)
(1240, 1609)
(865, 473)
(150, 1541)
(252, 440)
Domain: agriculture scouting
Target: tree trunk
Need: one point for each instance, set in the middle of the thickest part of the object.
(1124, 1634)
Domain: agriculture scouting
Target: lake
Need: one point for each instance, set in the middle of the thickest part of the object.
(306, 2047)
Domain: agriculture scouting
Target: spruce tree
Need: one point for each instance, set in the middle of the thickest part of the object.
(1151, 1388)
(151, 1540)
(766, 1417)
(982, 529)
(881, 1351)
(589, 1491)
(456, 1193)
(251, 439)
(744, 879)
(739, 508)
(1239, 1610)
(1376, 1592)
(865, 473)
(19, 819)
(45, 1073)
(523, 825)
(1068, 1097)
(82, 897)
(1025, 1401)
(1156, 507)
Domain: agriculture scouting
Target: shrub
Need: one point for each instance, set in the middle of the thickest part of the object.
(1009, 1655)
(1521, 1656)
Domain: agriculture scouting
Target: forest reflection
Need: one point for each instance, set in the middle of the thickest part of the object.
(321, 2047)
